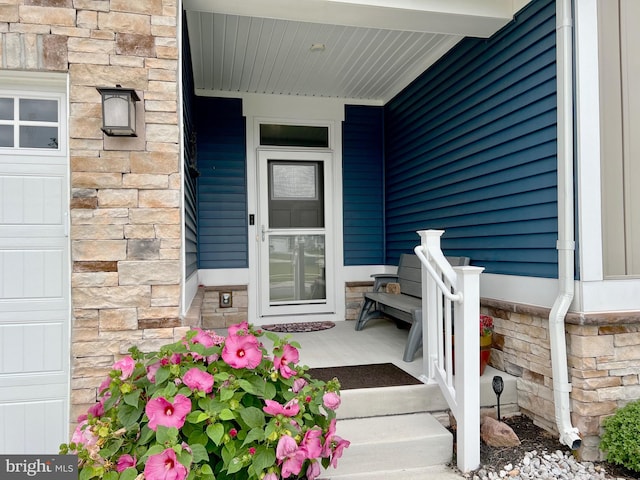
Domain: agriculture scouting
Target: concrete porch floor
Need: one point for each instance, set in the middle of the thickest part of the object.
(379, 342)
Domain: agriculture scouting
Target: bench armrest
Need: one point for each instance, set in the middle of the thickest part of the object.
(381, 279)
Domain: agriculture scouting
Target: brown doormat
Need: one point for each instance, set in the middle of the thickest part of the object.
(365, 376)
(298, 327)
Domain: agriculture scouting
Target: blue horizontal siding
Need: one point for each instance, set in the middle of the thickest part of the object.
(190, 182)
(363, 185)
(471, 149)
(222, 186)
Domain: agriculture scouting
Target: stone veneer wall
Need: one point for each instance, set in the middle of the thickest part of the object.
(125, 193)
(354, 298)
(214, 316)
(603, 359)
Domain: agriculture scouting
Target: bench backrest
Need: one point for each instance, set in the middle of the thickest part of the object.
(410, 272)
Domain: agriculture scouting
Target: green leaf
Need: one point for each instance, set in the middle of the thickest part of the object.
(235, 465)
(162, 374)
(156, 449)
(166, 434)
(89, 472)
(273, 337)
(247, 386)
(112, 475)
(185, 458)
(227, 414)
(263, 459)
(198, 437)
(215, 432)
(132, 398)
(199, 453)
(129, 474)
(111, 448)
(228, 453)
(146, 435)
(226, 394)
(253, 417)
(197, 416)
(170, 390)
(128, 415)
(270, 391)
(254, 435)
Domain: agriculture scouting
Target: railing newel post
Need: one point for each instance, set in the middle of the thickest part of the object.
(462, 391)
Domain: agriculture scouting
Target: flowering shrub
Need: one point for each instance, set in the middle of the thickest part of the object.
(210, 407)
(486, 325)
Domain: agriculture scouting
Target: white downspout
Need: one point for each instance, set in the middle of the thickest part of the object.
(569, 435)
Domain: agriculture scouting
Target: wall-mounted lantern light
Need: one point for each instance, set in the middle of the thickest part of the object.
(119, 111)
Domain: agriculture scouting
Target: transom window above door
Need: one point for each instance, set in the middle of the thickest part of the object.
(294, 136)
(29, 123)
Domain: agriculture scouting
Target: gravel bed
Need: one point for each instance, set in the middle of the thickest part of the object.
(540, 455)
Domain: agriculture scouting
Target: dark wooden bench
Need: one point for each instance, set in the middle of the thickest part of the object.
(405, 306)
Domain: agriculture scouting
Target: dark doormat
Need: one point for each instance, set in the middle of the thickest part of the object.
(365, 376)
(298, 327)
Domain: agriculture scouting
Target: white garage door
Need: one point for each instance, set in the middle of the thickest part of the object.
(34, 265)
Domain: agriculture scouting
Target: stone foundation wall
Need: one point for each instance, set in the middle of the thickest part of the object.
(353, 298)
(603, 360)
(126, 224)
(215, 316)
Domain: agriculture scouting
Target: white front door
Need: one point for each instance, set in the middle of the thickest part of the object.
(295, 236)
(34, 270)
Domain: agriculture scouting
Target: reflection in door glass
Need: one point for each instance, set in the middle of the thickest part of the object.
(296, 268)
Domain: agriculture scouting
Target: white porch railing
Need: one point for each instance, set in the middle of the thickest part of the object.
(451, 303)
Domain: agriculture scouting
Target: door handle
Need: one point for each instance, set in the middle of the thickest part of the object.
(263, 232)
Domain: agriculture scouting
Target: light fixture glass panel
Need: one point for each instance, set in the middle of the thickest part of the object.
(37, 110)
(38, 137)
(116, 111)
(6, 108)
(6, 136)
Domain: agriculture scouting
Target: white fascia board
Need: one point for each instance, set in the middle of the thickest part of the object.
(611, 295)
(540, 292)
(454, 17)
(216, 277)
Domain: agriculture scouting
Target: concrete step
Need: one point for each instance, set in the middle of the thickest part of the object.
(371, 402)
(437, 472)
(393, 443)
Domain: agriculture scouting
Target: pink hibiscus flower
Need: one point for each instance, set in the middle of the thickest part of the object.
(298, 385)
(126, 366)
(241, 328)
(124, 462)
(331, 400)
(162, 412)
(290, 455)
(106, 383)
(196, 379)
(290, 409)
(164, 466)
(97, 409)
(83, 435)
(339, 445)
(333, 444)
(311, 443)
(313, 470)
(289, 355)
(242, 351)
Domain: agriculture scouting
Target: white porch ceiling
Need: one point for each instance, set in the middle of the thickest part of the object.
(372, 48)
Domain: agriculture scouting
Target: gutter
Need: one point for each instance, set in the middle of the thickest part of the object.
(569, 435)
